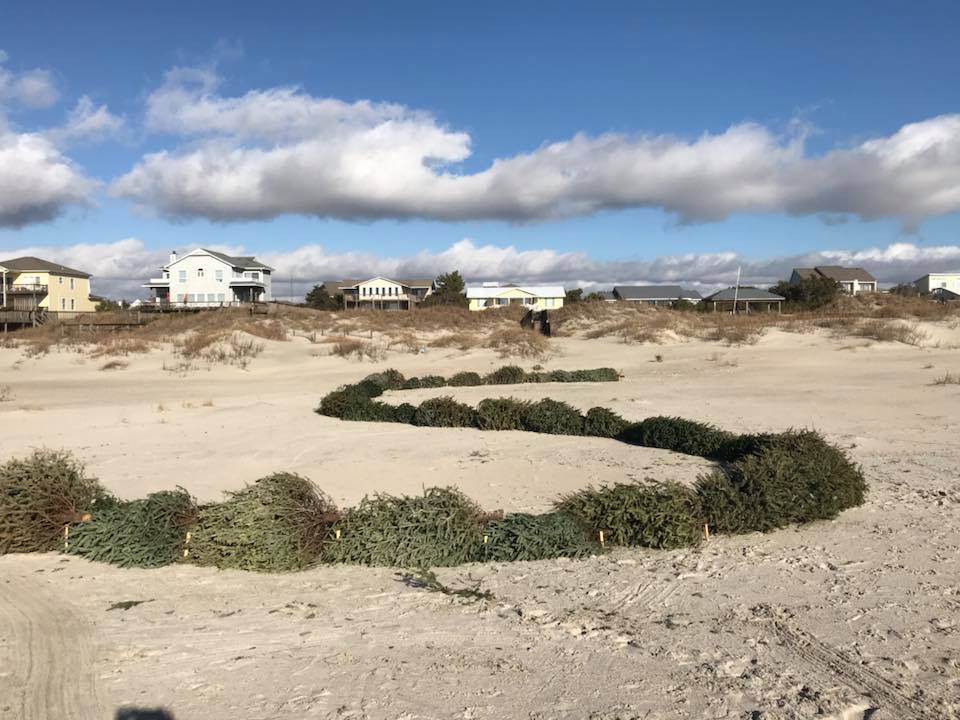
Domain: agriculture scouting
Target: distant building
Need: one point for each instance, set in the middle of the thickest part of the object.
(30, 284)
(853, 280)
(935, 282)
(744, 299)
(381, 293)
(532, 297)
(655, 294)
(205, 278)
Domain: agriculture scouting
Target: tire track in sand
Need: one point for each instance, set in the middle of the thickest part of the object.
(46, 656)
(886, 695)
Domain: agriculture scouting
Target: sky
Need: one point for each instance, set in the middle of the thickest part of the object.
(566, 142)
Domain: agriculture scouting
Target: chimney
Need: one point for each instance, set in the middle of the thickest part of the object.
(173, 256)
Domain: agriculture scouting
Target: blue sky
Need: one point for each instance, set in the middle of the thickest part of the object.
(810, 86)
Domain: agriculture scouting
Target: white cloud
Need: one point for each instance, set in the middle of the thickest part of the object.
(278, 151)
(120, 268)
(32, 88)
(37, 181)
(87, 122)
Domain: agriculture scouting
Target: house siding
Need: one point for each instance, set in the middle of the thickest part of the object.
(187, 284)
(932, 281)
(515, 296)
(65, 293)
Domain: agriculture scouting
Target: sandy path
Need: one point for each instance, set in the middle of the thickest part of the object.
(47, 663)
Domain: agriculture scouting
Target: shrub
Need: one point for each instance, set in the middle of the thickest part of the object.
(536, 377)
(348, 403)
(432, 381)
(561, 376)
(501, 414)
(411, 384)
(140, 533)
(387, 380)
(506, 375)
(596, 375)
(441, 528)
(521, 536)
(279, 523)
(463, 379)
(444, 412)
(796, 477)
(673, 433)
(39, 496)
(736, 446)
(404, 412)
(381, 412)
(601, 422)
(553, 417)
(657, 515)
(370, 388)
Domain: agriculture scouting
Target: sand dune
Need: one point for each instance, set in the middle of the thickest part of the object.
(853, 618)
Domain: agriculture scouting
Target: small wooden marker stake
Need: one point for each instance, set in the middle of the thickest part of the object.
(601, 539)
(186, 550)
(706, 532)
(66, 538)
(338, 534)
(486, 539)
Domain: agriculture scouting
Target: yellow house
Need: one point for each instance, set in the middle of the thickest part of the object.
(29, 283)
(532, 297)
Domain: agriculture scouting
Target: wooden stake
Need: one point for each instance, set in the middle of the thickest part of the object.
(601, 539)
(706, 532)
(66, 537)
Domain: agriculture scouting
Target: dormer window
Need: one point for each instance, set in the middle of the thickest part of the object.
(199, 272)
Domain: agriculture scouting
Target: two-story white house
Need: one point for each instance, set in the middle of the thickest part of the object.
(381, 293)
(205, 278)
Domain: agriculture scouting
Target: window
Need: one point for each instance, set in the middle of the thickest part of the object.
(211, 297)
(71, 283)
(219, 297)
(219, 275)
(60, 280)
(199, 272)
(73, 305)
(183, 276)
(63, 303)
(503, 301)
(36, 279)
(549, 302)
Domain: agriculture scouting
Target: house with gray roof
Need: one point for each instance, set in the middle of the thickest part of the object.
(381, 293)
(744, 299)
(207, 278)
(655, 294)
(852, 280)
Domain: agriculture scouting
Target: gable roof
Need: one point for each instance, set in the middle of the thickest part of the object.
(845, 274)
(804, 273)
(407, 282)
(744, 293)
(242, 261)
(553, 291)
(653, 292)
(33, 264)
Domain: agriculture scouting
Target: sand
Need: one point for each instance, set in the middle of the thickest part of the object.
(854, 618)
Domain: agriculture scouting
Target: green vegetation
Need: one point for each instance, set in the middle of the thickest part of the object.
(444, 412)
(501, 414)
(279, 523)
(553, 418)
(41, 495)
(464, 379)
(650, 514)
(808, 294)
(139, 533)
(602, 422)
(443, 527)
(521, 536)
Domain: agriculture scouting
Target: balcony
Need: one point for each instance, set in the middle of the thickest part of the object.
(24, 289)
(157, 282)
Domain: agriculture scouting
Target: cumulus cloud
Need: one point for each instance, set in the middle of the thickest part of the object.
(278, 151)
(37, 180)
(121, 267)
(32, 88)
